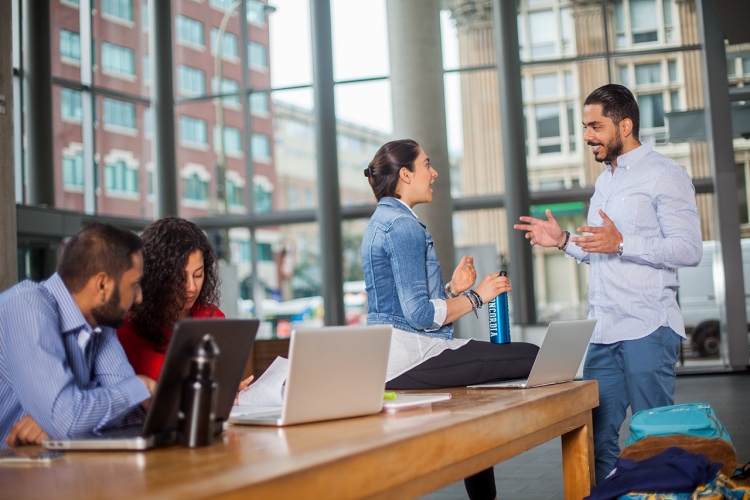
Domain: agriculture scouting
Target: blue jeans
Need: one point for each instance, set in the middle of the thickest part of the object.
(636, 373)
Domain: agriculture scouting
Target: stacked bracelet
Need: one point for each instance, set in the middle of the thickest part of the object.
(475, 299)
(567, 237)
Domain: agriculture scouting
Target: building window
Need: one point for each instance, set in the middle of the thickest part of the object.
(228, 86)
(194, 188)
(190, 81)
(257, 55)
(119, 113)
(222, 4)
(550, 103)
(189, 30)
(118, 59)
(146, 68)
(70, 45)
(193, 131)
(265, 252)
(119, 177)
(232, 139)
(657, 89)
(228, 46)
(235, 194)
(73, 171)
(639, 22)
(261, 147)
(122, 9)
(293, 196)
(256, 12)
(259, 103)
(144, 16)
(148, 121)
(545, 33)
(262, 200)
(71, 104)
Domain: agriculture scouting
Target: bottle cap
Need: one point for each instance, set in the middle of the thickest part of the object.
(206, 350)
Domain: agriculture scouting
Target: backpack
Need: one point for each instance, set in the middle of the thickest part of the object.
(691, 419)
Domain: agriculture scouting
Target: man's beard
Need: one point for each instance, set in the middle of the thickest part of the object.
(614, 148)
(110, 314)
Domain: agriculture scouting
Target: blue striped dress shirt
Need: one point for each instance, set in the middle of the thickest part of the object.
(651, 200)
(44, 373)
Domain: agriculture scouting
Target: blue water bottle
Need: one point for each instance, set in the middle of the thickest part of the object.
(499, 320)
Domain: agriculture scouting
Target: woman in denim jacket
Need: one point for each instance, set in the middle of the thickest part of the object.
(405, 289)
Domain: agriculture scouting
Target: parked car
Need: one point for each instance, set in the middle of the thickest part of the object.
(698, 300)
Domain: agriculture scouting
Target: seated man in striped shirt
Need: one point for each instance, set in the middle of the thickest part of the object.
(62, 370)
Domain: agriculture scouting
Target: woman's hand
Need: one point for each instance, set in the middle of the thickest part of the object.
(464, 276)
(491, 286)
(243, 387)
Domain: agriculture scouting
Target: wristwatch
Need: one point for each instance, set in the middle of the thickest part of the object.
(448, 291)
(620, 249)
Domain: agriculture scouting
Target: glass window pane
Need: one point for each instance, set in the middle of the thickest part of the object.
(290, 44)
(674, 97)
(672, 69)
(625, 76)
(652, 110)
(647, 74)
(257, 54)
(546, 85)
(122, 9)
(543, 33)
(731, 66)
(547, 120)
(71, 104)
(746, 65)
(360, 39)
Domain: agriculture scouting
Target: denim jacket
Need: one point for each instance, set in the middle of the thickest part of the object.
(401, 270)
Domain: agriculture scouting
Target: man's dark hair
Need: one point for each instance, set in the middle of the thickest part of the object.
(617, 103)
(98, 247)
(383, 170)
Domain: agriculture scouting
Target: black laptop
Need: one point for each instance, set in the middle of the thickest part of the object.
(235, 340)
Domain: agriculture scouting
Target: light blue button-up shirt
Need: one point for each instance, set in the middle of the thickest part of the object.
(44, 373)
(651, 200)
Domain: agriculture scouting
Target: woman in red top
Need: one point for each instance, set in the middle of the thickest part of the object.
(180, 280)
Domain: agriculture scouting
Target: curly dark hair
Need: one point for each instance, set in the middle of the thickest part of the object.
(167, 245)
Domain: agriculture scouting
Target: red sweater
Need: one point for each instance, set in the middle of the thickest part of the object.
(142, 356)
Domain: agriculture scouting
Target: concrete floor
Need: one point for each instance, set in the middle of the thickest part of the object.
(537, 474)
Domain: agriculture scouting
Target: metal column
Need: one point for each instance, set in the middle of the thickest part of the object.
(40, 163)
(505, 14)
(329, 210)
(729, 286)
(162, 102)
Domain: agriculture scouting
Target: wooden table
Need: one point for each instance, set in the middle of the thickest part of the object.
(390, 455)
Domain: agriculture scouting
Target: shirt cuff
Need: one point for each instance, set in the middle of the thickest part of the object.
(574, 250)
(134, 390)
(441, 311)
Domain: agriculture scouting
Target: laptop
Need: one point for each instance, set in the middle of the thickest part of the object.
(235, 340)
(334, 372)
(559, 356)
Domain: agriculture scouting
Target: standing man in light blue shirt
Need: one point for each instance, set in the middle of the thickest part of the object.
(642, 226)
(62, 369)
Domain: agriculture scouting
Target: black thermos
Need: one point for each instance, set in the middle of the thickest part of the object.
(199, 393)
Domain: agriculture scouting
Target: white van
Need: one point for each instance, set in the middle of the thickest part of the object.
(698, 300)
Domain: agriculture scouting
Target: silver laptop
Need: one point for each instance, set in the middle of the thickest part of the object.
(559, 357)
(235, 340)
(334, 372)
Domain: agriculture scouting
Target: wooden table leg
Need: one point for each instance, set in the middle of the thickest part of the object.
(578, 461)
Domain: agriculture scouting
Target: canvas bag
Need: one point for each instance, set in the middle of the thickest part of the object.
(691, 419)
